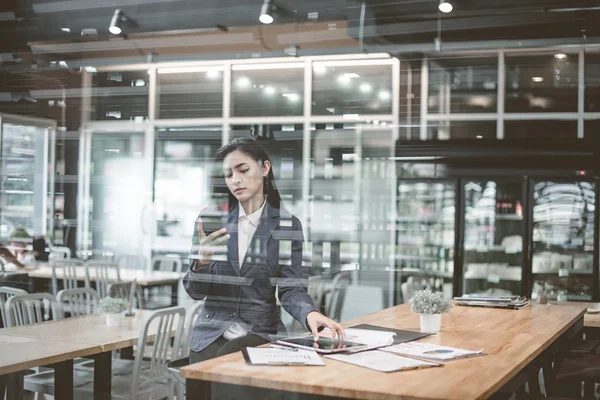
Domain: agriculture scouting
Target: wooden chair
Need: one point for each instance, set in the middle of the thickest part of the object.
(100, 271)
(5, 293)
(79, 302)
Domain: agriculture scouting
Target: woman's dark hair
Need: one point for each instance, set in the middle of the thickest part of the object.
(251, 147)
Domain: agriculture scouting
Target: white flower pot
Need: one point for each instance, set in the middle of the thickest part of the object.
(431, 323)
(113, 319)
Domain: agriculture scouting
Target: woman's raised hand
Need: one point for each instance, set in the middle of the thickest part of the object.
(208, 244)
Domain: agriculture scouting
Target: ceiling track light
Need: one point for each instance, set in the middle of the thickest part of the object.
(266, 12)
(445, 6)
(117, 22)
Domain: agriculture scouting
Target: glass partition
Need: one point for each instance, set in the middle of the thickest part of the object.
(346, 88)
(120, 96)
(463, 85)
(541, 83)
(592, 82)
(195, 93)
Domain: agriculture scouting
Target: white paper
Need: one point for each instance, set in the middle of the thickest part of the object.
(430, 351)
(292, 356)
(371, 338)
(381, 361)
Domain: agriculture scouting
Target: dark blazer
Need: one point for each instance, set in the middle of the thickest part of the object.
(245, 292)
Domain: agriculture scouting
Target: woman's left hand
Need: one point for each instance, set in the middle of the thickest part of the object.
(316, 320)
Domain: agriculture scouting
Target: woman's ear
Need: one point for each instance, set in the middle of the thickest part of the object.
(266, 168)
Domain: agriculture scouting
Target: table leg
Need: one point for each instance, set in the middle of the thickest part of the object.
(102, 375)
(196, 389)
(174, 294)
(127, 353)
(3, 380)
(63, 380)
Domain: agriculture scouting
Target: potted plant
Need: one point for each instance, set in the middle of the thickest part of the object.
(113, 307)
(430, 305)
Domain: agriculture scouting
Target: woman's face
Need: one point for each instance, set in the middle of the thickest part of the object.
(244, 176)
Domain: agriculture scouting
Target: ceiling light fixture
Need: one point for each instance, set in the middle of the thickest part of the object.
(116, 23)
(384, 95)
(243, 82)
(213, 74)
(270, 90)
(445, 7)
(537, 79)
(293, 97)
(560, 56)
(65, 29)
(266, 12)
(365, 88)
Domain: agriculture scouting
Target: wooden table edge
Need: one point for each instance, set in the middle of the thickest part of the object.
(87, 350)
(188, 373)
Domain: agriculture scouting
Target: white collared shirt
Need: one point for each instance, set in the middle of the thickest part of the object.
(247, 225)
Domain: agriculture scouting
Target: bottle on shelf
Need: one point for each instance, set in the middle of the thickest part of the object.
(519, 209)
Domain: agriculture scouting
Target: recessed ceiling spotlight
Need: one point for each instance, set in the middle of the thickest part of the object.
(65, 29)
(213, 74)
(269, 90)
(243, 82)
(560, 56)
(266, 12)
(319, 69)
(365, 88)
(384, 95)
(537, 79)
(293, 97)
(445, 7)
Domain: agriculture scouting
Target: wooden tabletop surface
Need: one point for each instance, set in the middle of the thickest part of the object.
(20, 353)
(89, 330)
(143, 278)
(591, 320)
(510, 338)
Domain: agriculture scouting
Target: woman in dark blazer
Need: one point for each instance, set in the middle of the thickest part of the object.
(239, 286)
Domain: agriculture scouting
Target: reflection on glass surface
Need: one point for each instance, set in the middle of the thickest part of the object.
(592, 82)
(444, 130)
(425, 235)
(191, 94)
(463, 85)
(268, 92)
(358, 89)
(118, 200)
(493, 242)
(183, 184)
(563, 239)
(120, 96)
(541, 83)
(22, 189)
(542, 130)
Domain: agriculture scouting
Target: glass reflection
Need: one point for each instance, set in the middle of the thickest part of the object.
(120, 96)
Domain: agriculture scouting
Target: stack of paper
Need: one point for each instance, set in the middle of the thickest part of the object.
(372, 338)
(276, 356)
(431, 351)
(510, 302)
(382, 361)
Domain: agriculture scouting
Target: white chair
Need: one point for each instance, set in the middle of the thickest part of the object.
(59, 253)
(148, 380)
(5, 293)
(166, 263)
(122, 290)
(131, 261)
(103, 273)
(361, 300)
(68, 270)
(411, 285)
(25, 309)
(79, 302)
(338, 291)
(191, 316)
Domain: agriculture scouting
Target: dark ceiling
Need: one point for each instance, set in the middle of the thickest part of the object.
(385, 21)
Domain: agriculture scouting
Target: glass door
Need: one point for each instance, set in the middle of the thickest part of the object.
(563, 239)
(425, 235)
(493, 237)
(117, 198)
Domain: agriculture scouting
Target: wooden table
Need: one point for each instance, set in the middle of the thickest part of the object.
(61, 341)
(590, 320)
(513, 340)
(43, 274)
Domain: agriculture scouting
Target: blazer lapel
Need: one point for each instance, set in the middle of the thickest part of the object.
(268, 223)
(232, 243)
